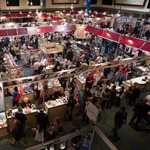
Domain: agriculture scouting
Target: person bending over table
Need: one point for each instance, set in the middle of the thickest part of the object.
(56, 93)
(26, 102)
(125, 77)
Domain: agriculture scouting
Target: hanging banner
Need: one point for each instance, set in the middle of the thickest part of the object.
(128, 49)
(135, 52)
(43, 3)
(88, 5)
(2, 106)
(80, 32)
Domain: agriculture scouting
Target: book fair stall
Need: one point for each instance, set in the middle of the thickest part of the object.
(35, 84)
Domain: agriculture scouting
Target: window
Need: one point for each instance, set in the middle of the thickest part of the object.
(148, 6)
(93, 1)
(12, 2)
(33, 2)
(107, 2)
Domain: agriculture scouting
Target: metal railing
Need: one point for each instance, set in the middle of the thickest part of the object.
(92, 129)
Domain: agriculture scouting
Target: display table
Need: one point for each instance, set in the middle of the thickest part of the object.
(50, 48)
(3, 131)
(141, 68)
(139, 80)
(49, 69)
(58, 110)
(22, 56)
(30, 122)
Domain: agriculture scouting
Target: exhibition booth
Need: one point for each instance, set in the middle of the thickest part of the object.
(27, 87)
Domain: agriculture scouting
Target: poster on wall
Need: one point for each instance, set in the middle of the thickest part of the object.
(2, 106)
(135, 51)
(79, 33)
(127, 49)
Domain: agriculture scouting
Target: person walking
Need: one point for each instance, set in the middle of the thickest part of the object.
(15, 97)
(16, 132)
(135, 93)
(140, 112)
(119, 119)
(42, 119)
(39, 134)
(21, 117)
(70, 106)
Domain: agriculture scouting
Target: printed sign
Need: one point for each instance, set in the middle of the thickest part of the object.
(2, 106)
(92, 112)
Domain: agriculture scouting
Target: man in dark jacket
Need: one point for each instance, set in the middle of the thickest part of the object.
(21, 117)
(70, 55)
(42, 118)
(119, 119)
(135, 93)
(140, 112)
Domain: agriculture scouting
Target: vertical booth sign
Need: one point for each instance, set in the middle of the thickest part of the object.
(88, 5)
(44, 3)
(2, 105)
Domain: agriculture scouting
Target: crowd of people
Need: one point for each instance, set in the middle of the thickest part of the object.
(104, 95)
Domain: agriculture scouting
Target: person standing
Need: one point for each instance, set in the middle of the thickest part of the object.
(39, 134)
(16, 132)
(107, 46)
(15, 97)
(140, 112)
(118, 77)
(21, 117)
(89, 81)
(125, 77)
(86, 96)
(119, 119)
(105, 98)
(135, 93)
(70, 106)
(42, 119)
(70, 55)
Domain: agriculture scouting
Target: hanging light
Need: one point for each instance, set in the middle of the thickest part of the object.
(62, 145)
(41, 3)
(31, 3)
(51, 147)
(7, 2)
(86, 12)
